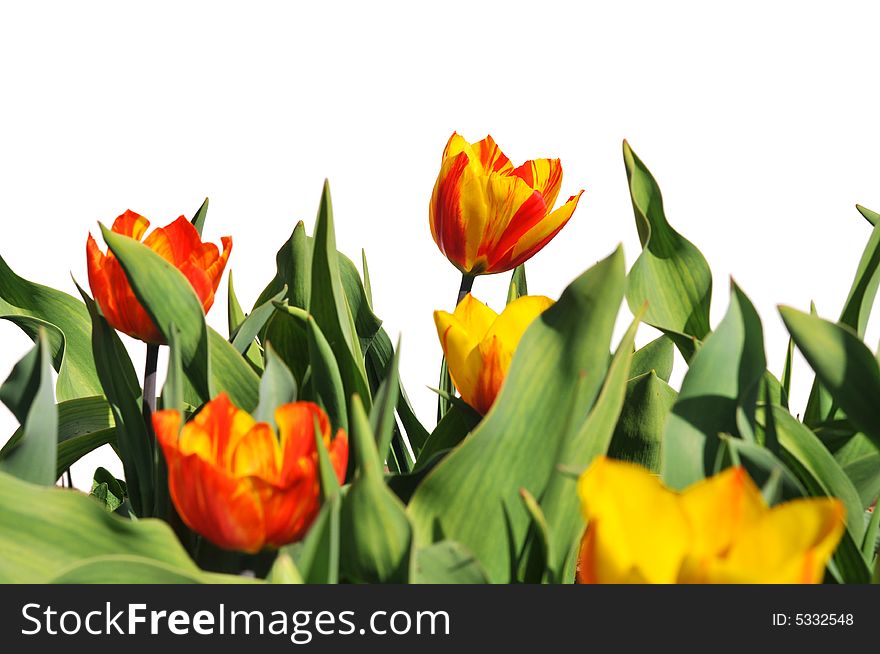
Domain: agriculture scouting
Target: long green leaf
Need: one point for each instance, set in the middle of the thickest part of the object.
(472, 496)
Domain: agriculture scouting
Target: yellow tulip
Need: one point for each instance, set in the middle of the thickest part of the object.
(479, 344)
(718, 530)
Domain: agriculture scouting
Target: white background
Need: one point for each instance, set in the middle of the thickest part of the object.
(759, 122)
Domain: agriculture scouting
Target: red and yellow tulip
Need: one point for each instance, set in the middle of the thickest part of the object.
(236, 482)
(718, 530)
(479, 344)
(488, 216)
(180, 244)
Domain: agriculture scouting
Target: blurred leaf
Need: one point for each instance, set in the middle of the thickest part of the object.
(277, 388)
(718, 395)
(70, 528)
(447, 562)
(658, 355)
(284, 571)
(843, 365)
(762, 466)
(127, 569)
(123, 392)
(518, 285)
(559, 502)
(198, 220)
(31, 306)
(27, 392)
(376, 534)
(786, 372)
(638, 435)
(317, 555)
(671, 275)
(472, 496)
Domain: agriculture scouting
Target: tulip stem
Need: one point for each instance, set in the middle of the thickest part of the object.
(467, 283)
(150, 385)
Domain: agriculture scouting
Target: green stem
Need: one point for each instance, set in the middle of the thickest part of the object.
(467, 283)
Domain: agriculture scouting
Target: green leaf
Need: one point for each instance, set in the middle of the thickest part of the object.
(70, 528)
(376, 534)
(860, 460)
(447, 562)
(718, 395)
(326, 378)
(277, 387)
(816, 468)
(234, 313)
(859, 302)
(252, 325)
(657, 356)
(638, 435)
(843, 365)
(209, 360)
(127, 569)
(123, 392)
(108, 490)
(449, 432)
(379, 358)
(31, 306)
(198, 220)
(27, 393)
(284, 571)
(671, 275)
(317, 556)
(786, 372)
(382, 415)
(472, 496)
(871, 216)
(329, 305)
(368, 288)
(559, 501)
(518, 285)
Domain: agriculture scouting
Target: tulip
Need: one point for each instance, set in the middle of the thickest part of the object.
(235, 482)
(479, 344)
(487, 216)
(180, 244)
(719, 530)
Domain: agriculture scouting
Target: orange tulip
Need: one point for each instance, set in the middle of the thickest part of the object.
(234, 481)
(180, 244)
(479, 344)
(487, 216)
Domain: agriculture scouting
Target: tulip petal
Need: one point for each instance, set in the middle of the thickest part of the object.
(543, 175)
(256, 454)
(460, 334)
(536, 238)
(174, 242)
(486, 153)
(296, 424)
(639, 530)
(511, 209)
(475, 316)
(718, 508)
(512, 323)
(791, 543)
(130, 224)
(224, 424)
(445, 211)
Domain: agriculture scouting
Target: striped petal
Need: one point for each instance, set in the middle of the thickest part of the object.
(543, 175)
(130, 224)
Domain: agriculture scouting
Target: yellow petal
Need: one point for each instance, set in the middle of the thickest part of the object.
(718, 508)
(543, 175)
(790, 544)
(458, 344)
(257, 454)
(637, 528)
(539, 235)
(513, 321)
